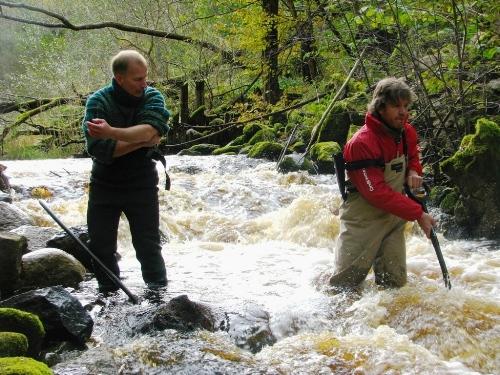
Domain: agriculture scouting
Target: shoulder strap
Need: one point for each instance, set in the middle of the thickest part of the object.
(366, 163)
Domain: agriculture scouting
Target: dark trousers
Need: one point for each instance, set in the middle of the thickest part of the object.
(141, 208)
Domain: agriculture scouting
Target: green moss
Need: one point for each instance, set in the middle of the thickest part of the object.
(198, 111)
(216, 121)
(14, 320)
(478, 152)
(266, 150)
(201, 149)
(449, 202)
(323, 151)
(228, 149)
(263, 135)
(238, 141)
(23, 366)
(288, 164)
(299, 146)
(13, 344)
(250, 129)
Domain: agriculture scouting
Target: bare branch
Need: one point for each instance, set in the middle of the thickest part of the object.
(64, 23)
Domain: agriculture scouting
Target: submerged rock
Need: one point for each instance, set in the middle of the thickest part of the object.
(62, 315)
(249, 329)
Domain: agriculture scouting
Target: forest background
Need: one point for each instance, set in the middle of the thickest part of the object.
(268, 78)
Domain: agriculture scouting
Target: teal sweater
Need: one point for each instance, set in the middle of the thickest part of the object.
(119, 109)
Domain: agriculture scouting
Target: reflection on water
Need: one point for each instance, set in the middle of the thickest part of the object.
(240, 233)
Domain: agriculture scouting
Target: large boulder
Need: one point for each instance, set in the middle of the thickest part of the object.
(65, 242)
(29, 324)
(12, 217)
(62, 315)
(49, 267)
(474, 170)
(322, 155)
(37, 236)
(12, 248)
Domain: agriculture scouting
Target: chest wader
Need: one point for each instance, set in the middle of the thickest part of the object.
(370, 237)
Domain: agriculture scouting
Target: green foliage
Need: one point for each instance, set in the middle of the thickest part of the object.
(23, 366)
(13, 344)
(14, 320)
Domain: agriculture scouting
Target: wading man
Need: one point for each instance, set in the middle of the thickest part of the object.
(380, 158)
(123, 124)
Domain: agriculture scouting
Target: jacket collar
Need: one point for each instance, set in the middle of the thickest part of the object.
(123, 97)
(375, 123)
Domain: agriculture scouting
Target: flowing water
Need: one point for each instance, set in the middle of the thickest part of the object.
(240, 233)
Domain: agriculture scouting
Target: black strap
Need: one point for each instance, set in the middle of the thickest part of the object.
(366, 163)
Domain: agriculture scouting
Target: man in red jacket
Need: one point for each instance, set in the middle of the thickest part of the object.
(380, 158)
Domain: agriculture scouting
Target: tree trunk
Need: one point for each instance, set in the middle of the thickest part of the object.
(200, 93)
(272, 90)
(184, 103)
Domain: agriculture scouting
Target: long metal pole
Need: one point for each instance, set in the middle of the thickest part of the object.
(434, 239)
(109, 273)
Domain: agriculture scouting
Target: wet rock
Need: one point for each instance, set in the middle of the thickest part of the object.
(4, 180)
(12, 247)
(62, 315)
(66, 243)
(250, 329)
(180, 313)
(49, 267)
(37, 236)
(266, 150)
(4, 197)
(200, 149)
(12, 217)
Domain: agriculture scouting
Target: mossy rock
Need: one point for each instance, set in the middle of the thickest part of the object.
(227, 150)
(449, 202)
(245, 149)
(13, 344)
(14, 320)
(23, 366)
(216, 122)
(477, 153)
(288, 164)
(322, 155)
(474, 171)
(266, 150)
(299, 146)
(238, 141)
(249, 130)
(201, 149)
(263, 135)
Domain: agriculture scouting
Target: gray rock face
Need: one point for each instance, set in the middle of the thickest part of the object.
(50, 267)
(62, 315)
(12, 247)
(12, 217)
(37, 236)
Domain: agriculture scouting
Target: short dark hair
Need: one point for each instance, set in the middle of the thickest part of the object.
(390, 90)
(120, 62)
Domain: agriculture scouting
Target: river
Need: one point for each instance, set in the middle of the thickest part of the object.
(240, 233)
